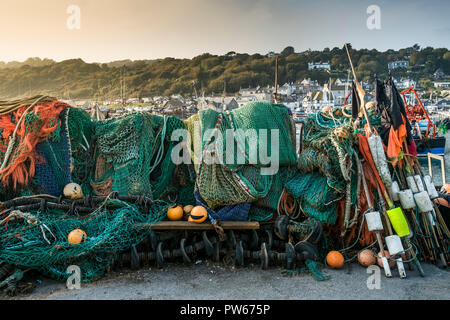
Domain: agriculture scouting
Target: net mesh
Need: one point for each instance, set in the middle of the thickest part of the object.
(230, 173)
(40, 241)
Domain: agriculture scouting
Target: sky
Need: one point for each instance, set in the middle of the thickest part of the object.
(112, 30)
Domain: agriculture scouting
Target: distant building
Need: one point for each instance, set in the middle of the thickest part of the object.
(287, 89)
(442, 84)
(173, 104)
(319, 66)
(248, 91)
(404, 83)
(398, 64)
(439, 74)
(339, 93)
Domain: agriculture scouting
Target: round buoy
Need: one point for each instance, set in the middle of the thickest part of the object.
(386, 253)
(187, 209)
(445, 188)
(73, 191)
(326, 109)
(442, 202)
(175, 213)
(198, 214)
(77, 236)
(335, 259)
(366, 258)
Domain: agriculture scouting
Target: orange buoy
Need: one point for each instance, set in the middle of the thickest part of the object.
(446, 188)
(335, 259)
(366, 258)
(198, 214)
(77, 236)
(326, 109)
(187, 209)
(442, 202)
(175, 213)
(386, 253)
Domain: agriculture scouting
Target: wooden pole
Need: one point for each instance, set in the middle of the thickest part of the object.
(276, 80)
(359, 88)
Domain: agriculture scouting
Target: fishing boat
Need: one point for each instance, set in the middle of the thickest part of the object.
(424, 129)
(299, 114)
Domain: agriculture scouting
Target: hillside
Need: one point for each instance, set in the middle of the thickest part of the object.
(77, 79)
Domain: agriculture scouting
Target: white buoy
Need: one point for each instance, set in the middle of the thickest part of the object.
(430, 187)
(374, 222)
(394, 190)
(395, 247)
(423, 202)
(407, 199)
(379, 158)
(415, 183)
(394, 244)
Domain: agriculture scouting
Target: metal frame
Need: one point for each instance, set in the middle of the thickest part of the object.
(441, 159)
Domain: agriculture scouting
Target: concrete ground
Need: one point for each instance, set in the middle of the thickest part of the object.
(206, 281)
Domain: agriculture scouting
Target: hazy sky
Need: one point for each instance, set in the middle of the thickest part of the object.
(146, 29)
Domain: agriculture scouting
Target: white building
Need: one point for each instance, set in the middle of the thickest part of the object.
(398, 64)
(442, 84)
(319, 66)
(404, 83)
(287, 89)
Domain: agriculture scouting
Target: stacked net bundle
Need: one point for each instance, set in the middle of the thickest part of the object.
(231, 173)
(25, 129)
(315, 196)
(39, 240)
(53, 173)
(81, 130)
(130, 155)
(325, 164)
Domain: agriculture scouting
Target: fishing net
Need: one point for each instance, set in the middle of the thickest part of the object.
(81, 130)
(235, 146)
(325, 166)
(130, 155)
(53, 173)
(21, 150)
(39, 240)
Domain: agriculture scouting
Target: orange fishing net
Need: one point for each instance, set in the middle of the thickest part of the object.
(37, 125)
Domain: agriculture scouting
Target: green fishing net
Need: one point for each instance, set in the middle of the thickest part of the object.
(130, 155)
(236, 177)
(39, 240)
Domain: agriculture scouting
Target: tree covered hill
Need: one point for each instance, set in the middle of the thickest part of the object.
(77, 79)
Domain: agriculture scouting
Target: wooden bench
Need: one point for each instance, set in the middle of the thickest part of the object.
(185, 225)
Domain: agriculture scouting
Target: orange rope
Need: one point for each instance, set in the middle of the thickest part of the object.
(21, 167)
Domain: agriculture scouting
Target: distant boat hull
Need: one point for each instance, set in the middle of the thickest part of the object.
(429, 145)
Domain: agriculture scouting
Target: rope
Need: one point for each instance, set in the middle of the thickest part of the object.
(7, 107)
(12, 141)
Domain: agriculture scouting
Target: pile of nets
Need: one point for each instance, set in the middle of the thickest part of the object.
(38, 240)
(48, 144)
(325, 165)
(34, 150)
(130, 155)
(229, 174)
